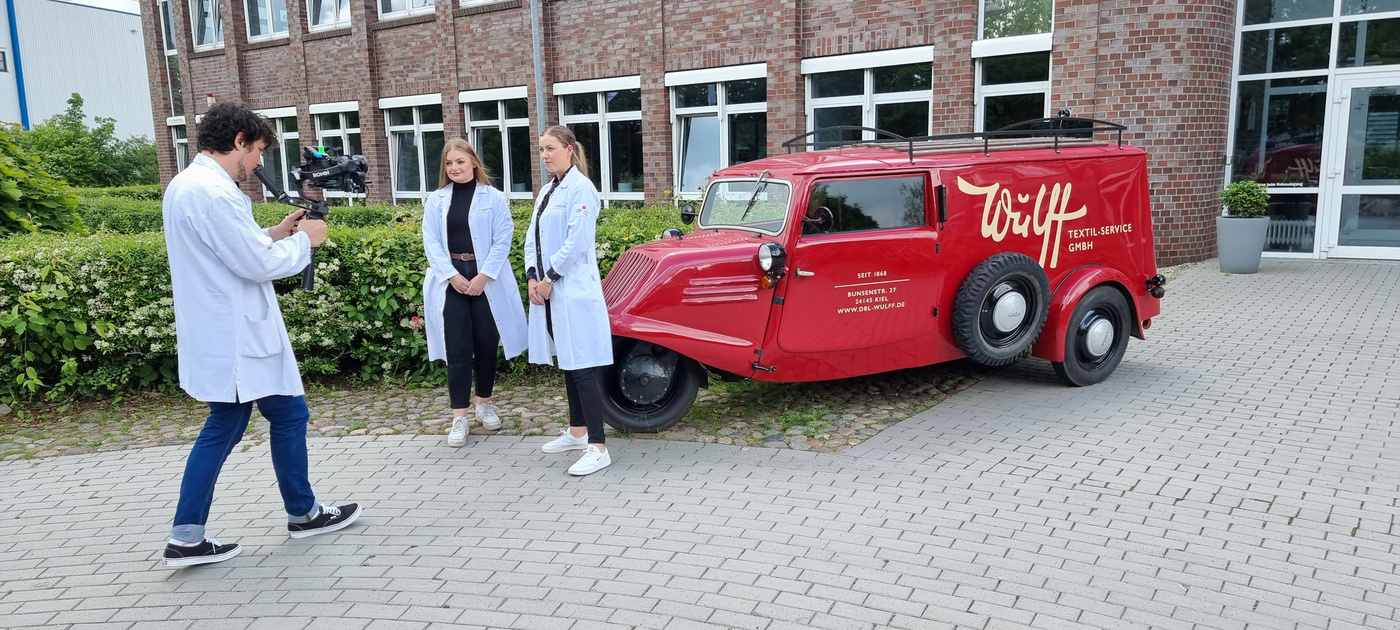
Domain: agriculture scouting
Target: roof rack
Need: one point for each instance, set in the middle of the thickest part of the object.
(1062, 126)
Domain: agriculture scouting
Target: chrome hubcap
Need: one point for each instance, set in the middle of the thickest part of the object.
(1098, 339)
(1009, 312)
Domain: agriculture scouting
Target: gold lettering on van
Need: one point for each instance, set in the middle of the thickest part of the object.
(1000, 216)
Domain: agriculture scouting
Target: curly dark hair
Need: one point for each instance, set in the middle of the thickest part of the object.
(224, 121)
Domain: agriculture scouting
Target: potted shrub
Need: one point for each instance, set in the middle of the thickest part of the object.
(1243, 226)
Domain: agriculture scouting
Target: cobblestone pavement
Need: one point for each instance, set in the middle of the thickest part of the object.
(1239, 471)
(824, 417)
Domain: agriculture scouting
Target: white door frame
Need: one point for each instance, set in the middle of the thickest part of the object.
(1337, 131)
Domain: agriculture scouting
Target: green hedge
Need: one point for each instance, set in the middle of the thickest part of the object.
(92, 315)
(146, 192)
(129, 215)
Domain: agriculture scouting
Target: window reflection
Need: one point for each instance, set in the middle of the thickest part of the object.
(699, 150)
(1285, 49)
(1373, 43)
(1357, 7)
(625, 145)
(1370, 221)
(1373, 137)
(1263, 11)
(1278, 131)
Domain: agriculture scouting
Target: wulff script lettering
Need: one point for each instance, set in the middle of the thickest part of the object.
(1000, 215)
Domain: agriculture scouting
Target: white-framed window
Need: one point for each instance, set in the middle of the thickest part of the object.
(401, 8)
(414, 125)
(279, 159)
(473, 3)
(1014, 18)
(498, 123)
(207, 24)
(719, 118)
(1011, 89)
(889, 90)
(328, 14)
(180, 141)
(338, 130)
(267, 19)
(172, 60)
(606, 117)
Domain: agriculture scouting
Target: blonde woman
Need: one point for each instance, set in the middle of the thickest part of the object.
(568, 317)
(471, 302)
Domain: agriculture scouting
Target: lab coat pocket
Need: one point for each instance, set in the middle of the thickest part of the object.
(259, 338)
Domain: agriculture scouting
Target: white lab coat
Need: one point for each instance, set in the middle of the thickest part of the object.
(492, 230)
(582, 334)
(231, 341)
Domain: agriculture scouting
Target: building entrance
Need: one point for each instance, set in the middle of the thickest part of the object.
(1360, 215)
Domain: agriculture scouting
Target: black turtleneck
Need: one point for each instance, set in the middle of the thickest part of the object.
(459, 231)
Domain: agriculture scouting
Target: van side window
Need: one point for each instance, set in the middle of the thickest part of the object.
(849, 205)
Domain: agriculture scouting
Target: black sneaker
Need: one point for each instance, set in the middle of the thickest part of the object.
(330, 519)
(204, 553)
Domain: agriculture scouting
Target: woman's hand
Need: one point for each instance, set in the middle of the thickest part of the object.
(477, 285)
(544, 289)
(461, 285)
(534, 292)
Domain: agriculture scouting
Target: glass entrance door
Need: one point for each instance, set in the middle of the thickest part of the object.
(1362, 213)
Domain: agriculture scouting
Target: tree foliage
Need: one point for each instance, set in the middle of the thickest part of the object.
(90, 156)
(31, 199)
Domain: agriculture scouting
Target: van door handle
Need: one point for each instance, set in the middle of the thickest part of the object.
(806, 274)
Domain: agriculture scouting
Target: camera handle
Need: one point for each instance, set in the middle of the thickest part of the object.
(316, 209)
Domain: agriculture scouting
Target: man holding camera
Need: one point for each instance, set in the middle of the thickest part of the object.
(231, 341)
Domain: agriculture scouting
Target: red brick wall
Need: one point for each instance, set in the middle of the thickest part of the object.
(1163, 69)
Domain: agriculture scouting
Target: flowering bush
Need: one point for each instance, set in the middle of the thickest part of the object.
(91, 315)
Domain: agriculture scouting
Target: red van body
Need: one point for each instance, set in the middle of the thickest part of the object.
(882, 259)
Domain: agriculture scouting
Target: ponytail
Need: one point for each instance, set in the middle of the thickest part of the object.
(580, 159)
(566, 136)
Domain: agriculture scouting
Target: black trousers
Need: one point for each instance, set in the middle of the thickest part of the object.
(585, 391)
(471, 338)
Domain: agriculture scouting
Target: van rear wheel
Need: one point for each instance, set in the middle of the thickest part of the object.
(648, 387)
(1096, 337)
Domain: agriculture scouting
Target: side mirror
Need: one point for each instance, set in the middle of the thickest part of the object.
(688, 212)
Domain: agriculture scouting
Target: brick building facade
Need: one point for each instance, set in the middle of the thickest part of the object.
(1162, 69)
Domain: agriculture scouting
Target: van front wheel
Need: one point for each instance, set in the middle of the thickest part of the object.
(648, 387)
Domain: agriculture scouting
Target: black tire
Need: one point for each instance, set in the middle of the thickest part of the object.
(1092, 351)
(648, 387)
(1000, 309)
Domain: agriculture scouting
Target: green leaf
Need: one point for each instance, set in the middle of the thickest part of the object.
(80, 326)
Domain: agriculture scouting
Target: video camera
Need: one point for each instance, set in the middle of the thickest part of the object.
(324, 170)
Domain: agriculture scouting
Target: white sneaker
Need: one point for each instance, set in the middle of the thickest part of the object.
(593, 460)
(458, 436)
(566, 442)
(486, 413)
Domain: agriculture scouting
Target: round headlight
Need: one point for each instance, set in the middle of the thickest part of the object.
(670, 232)
(770, 257)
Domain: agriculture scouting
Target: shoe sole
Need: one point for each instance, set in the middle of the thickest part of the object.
(562, 449)
(491, 427)
(189, 562)
(332, 528)
(457, 443)
(582, 473)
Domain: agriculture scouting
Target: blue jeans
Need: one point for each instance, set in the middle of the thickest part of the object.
(223, 429)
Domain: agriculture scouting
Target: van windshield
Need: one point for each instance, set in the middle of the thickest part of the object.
(733, 203)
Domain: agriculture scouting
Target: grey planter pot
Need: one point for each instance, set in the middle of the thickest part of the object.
(1241, 242)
